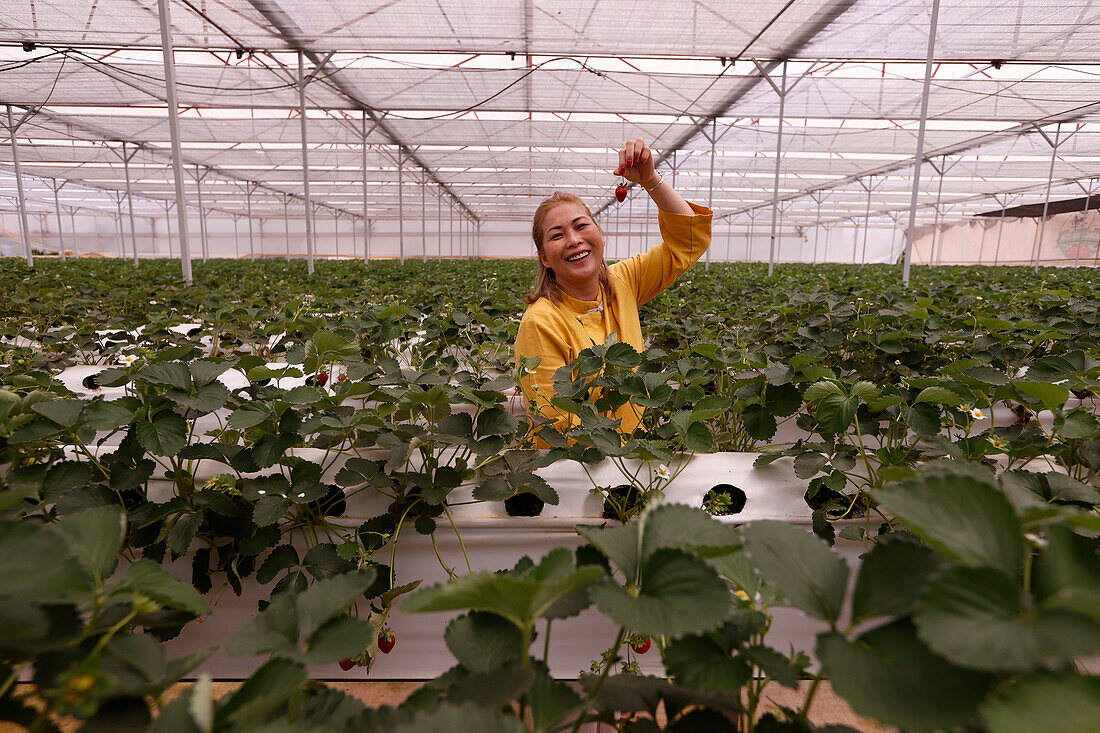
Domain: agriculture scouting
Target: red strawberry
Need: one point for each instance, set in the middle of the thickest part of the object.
(346, 664)
(322, 377)
(342, 377)
(387, 640)
(620, 193)
(642, 647)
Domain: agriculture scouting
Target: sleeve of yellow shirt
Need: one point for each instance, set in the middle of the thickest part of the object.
(684, 239)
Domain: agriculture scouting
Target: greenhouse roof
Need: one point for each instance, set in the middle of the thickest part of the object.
(490, 107)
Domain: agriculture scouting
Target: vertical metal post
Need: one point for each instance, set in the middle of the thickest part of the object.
(778, 157)
(121, 231)
(251, 241)
(866, 225)
(401, 202)
(936, 234)
(305, 161)
(174, 130)
(710, 183)
(286, 224)
(451, 223)
(336, 230)
(57, 209)
(424, 215)
(168, 224)
(1000, 233)
(202, 216)
(236, 238)
(366, 221)
(439, 225)
(130, 199)
(826, 252)
(1037, 248)
(24, 226)
(817, 229)
(748, 237)
(72, 228)
(1077, 249)
(919, 157)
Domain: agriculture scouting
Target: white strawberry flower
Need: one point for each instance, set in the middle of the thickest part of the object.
(663, 472)
(127, 359)
(977, 414)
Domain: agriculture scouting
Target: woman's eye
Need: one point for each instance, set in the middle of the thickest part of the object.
(582, 225)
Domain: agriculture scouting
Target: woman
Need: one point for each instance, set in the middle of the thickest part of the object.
(579, 301)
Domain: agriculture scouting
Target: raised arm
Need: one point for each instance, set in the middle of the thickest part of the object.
(636, 166)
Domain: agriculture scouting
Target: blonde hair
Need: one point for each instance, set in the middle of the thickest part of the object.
(546, 283)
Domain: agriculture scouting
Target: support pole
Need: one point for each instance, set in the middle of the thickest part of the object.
(286, 224)
(72, 229)
(305, 161)
(1000, 232)
(121, 231)
(236, 238)
(424, 216)
(57, 210)
(451, 223)
(336, 230)
(366, 221)
(932, 255)
(202, 215)
(24, 225)
(401, 203)
(251, 241)
(130, 199)
(174, 131)
(710, 182)
(866, 223)
(439, 226)
(1076, 250)
(817, 228)
(1037, 248)
(778, 158)
(919, 157)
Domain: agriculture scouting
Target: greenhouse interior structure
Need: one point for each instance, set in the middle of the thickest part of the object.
(298, 431)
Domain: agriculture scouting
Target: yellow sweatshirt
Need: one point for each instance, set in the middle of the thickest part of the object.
(559, 332)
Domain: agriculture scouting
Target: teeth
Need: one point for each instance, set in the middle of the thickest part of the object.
(577, 258)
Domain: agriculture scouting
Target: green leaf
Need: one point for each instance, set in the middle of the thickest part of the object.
(938, 396)
(303, 395)
(759, 423)
(262, 694)
(340, 638)
(710, 407)
(1067, 575)
(205, 399)
(888, 674)
(204, 372)
(495, 421)
(56, 577)
(182, 532)
(892, 578)
(923, 419)
(807, 465)
(677, 593)
(166, 374)
(956, 509)
(1053, 396)
(269, 509)
(482, 642)
(150, 579)
(164, 436)
(665, 526)
(698, 438)
(973, 617)
(65, 413)
(782, 400)
(819, 390)
(987, 375)
(552, 702)
(281, 558)
(328, 598)
(94, 537)
(466, 718)
(835, 412)
(1067, 703)
(1076, 424)
(799, 565)
(249, 416)
(520, 600)
(104, 415)
(773, 664)
(699, 663)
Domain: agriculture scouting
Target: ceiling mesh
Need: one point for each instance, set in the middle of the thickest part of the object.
(491, 106)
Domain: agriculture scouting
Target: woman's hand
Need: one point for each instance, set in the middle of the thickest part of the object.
(636, 166)
(636, 163)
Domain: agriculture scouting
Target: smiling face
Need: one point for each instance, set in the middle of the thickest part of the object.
(572, 246)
